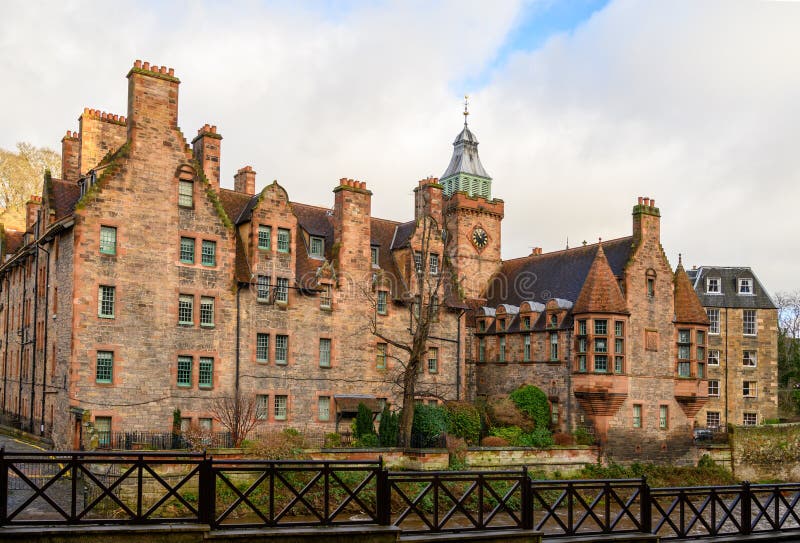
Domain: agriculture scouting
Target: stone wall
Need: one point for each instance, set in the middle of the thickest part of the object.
(767, 452)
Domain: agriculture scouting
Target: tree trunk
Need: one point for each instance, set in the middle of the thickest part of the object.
(407, 414)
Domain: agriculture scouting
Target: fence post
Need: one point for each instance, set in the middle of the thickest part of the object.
(3, 486)
(645, 506)
(746, 509)
(207, 490)
(527, 506)
(383, 505)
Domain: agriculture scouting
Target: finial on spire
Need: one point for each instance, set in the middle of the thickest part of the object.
(466, 108)
(680, 259)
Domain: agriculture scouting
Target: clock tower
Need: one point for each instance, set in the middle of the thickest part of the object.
(473, 217)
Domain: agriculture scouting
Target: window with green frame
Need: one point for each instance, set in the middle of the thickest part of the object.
(262, 347)
(108, 240)
(187, 250)
(105, 305)
(184, 371)
(209, 253)
(264, 237)
(206, 311)
(185, 309)
(105, 367)
(281, 349)
(283, 240)
(205, 377)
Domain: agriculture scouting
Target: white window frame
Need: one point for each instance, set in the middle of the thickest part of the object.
(282, 290)
(744, 286)
(106, 301)
(185, 193)
(324, 408)
(714, 357)
(262, 406)
(264, 348)
(526, 354)
(714, 326)
(713, 388)
(751, 323)
(207, 311)
(749, 358)
(752, 389)
(713, 285)
(281, 349)
(712, 416)
(433, 360)
(186, 302)
(749, 419)
(281, 408)
(433, 263)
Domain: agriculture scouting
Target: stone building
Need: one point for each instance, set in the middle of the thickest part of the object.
(142, 286)
(742, 347)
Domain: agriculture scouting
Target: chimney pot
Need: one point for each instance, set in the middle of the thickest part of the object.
(146, 65)
(137, 64)
(653, 202)
(171, 71)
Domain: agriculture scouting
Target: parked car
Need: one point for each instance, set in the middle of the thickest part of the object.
(703, 434)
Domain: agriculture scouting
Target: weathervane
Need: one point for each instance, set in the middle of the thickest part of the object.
(466, 110)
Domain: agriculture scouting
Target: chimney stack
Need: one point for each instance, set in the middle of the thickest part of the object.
(207, 150)
(245, 181)
(70, 157)
(352, 227)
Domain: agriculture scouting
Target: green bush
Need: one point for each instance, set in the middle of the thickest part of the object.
(533, 402)
(511, 434)
(367, 441)
(539, 438)
(388, 427)
(332, 440)
(363, 425)
(430, 422)
(464, 421)
(582, 436)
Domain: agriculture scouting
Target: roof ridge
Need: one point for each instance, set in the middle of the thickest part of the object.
(561, 251)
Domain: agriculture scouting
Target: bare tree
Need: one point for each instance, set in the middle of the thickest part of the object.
(21, 173)
(788, 337)
(237, 414)
(425, 293)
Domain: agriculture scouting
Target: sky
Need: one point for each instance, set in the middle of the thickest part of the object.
(580, 106)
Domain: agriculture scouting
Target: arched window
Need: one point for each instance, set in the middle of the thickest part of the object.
(650, 278)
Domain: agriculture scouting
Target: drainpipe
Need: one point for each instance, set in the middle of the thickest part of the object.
(7, 277)
(569, 379)
(238, 340)
(458, 355)
(44, 339)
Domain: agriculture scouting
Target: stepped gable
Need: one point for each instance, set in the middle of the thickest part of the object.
(63, 197)
(688, 309)
(236, 204)
(560, 274)
(600, 292)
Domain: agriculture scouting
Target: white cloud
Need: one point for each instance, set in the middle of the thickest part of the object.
(692, 103)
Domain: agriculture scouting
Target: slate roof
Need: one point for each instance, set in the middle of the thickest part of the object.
(560, 274)
(238, 205)
(465, 157)
(760, 299)
(688, 308)
(13, 241)
(403, 234)
(600, 292)
(63, 195)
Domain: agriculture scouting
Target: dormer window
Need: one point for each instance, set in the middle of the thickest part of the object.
(481, 325)
(526, 323)
(316, 247)
(553, 320)
(374, 253)
(745, 286)
(713, 285)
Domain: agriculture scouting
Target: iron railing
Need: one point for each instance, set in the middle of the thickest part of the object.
(75, 488)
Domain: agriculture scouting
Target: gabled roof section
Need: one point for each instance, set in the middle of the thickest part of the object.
(729, 295)
(560, 274)
(600, 292)
(13, 241)
(402, 234)
(688, 309)
(238, 205)
(63, 195)
(316, 221)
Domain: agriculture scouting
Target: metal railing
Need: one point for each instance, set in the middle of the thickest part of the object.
(76, 488)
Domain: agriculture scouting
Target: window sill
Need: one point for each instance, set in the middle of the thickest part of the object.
(109, 317)
(207, 326)
(186, 324)
(324, 367)
(186, 262)
(184, 386)
(104, 383)
(103, 253)
(327, 309)
(262, 361)
(278, 363)
(205, 387)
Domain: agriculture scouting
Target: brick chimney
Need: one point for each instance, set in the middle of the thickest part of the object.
(32, 207)
(206, 147)
(70, 157)
(646, 220)
(428, 199)
(100, 133)
(245, 180)
(152, 104)
(352, 228)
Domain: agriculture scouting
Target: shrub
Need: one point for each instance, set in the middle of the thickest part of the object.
(511, 434)
(430, 422)
(286, 444)
(533, 402)
(583, 437)
(464, 421)
(494, 441)
(363, 425)
(388, 427)
(367, 441)
(332, 440)
(539, 438)
(457, 453)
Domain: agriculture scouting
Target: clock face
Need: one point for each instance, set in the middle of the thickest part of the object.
(480, 238)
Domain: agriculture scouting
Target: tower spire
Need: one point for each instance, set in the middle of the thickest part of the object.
(465, 172)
